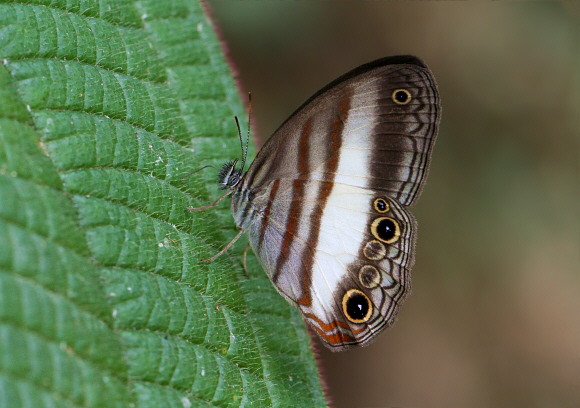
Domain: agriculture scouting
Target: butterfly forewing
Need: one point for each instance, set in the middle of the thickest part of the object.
(323, 201)
(388, 144)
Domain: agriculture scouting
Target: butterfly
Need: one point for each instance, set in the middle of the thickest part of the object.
(325, 200)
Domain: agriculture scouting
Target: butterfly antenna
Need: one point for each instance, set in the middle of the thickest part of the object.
(200, 169)
(241, 140)
(245, 151)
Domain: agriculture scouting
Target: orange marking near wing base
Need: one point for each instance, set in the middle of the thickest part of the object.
(339, 337)
(327, 326)
(335, 339)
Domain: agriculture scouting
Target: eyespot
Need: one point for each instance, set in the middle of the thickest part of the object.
(374, 250)
(369, 276)
(381, 205)
(386, 229)
(356, 306)
(401, 96)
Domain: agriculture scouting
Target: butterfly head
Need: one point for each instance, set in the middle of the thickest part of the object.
(229, 176)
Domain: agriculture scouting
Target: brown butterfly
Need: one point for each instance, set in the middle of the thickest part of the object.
(325, 200)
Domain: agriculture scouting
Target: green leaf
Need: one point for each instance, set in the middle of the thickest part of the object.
(106, 109)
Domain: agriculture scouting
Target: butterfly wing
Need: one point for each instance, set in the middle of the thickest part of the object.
(323, 202)
(321, 258)
(355, 131)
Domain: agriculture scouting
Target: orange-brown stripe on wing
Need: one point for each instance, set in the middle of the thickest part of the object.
(335, 339)
(327, 326)
(325, 330)
(295, 209)
(331, 165)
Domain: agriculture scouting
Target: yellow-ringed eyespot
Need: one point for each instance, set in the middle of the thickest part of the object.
(374, 250)
(369, 276)
(381, 205)
(356, 306)
(386, 229)
(401, 96)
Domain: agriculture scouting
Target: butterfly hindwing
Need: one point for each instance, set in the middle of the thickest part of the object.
(316, 257)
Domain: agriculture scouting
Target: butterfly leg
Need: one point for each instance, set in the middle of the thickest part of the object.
(228, 246)
(207, 207)
(244, 261)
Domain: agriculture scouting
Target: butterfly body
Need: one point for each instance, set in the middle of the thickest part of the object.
(324, 202)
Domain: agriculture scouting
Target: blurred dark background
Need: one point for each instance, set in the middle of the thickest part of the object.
(494, 318)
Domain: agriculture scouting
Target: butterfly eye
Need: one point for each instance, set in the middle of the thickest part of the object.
(381, 205)
(386, 229)
(401, 96)
(228, 175)
(356, 306)
(369, 276)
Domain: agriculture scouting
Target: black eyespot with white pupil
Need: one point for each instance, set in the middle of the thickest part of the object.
(386, 229)
(381, 205)
(356, 306)
(401, 96)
